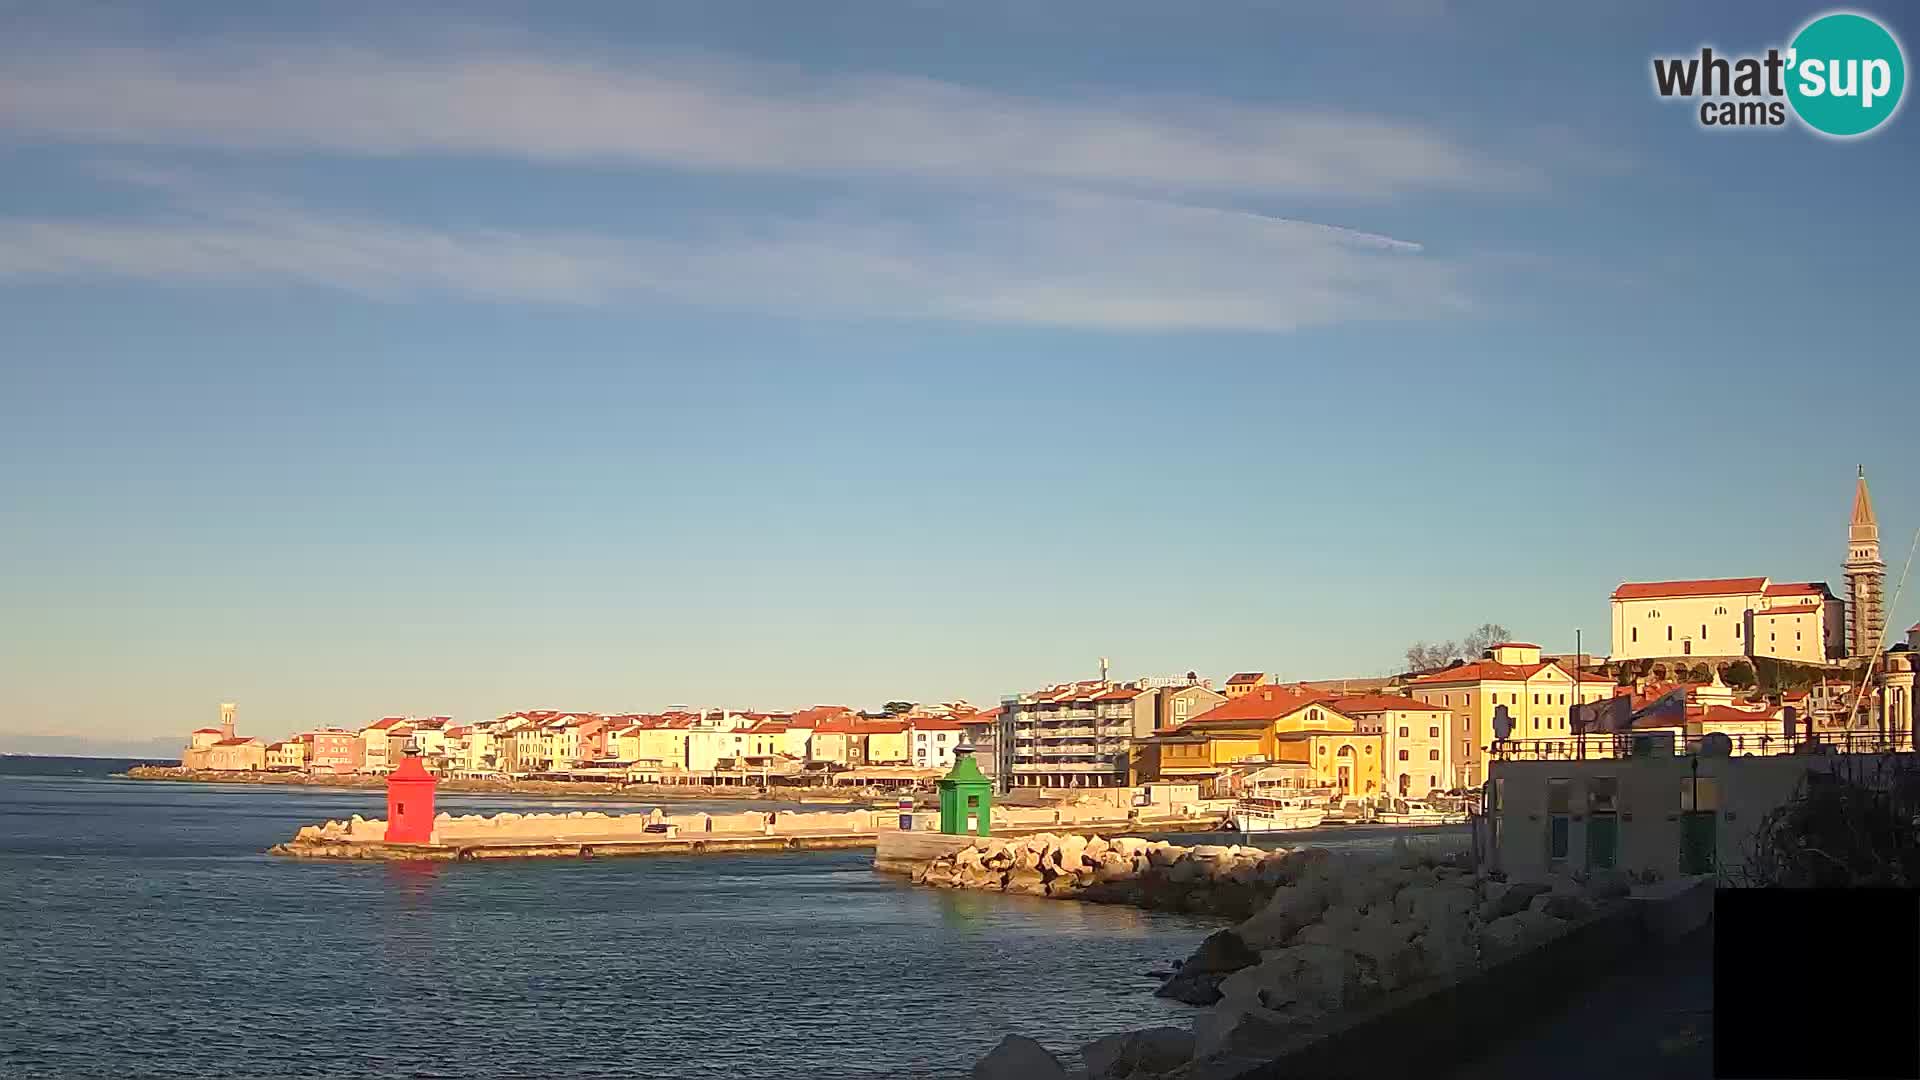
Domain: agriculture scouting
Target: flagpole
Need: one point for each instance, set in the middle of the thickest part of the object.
(1579, 734)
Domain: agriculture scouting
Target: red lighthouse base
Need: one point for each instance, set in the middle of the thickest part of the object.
(410, 803)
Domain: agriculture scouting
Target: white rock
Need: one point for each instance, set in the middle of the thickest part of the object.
(1017, 1058)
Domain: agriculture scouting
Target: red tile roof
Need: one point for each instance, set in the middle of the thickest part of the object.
(1799, 588)
(1725, 714)
(1789, 609)
(235, 742)
(208, 731)
(1265, 703)
(1486, 670)
(1121, 693)
(812, 717)
(385, 723)
(1658, 590)
(1246, 677)
(1372, 703)
(1514, 645)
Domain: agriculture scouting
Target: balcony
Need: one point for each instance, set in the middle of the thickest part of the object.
(1672, 744)
(1071, 767)
(1068, 733)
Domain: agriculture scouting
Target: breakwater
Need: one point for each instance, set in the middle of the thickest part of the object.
(1319, 936)
(592, 834)
(472, 786)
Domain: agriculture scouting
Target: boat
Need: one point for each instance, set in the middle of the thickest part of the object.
(1258, 815)
(1395, 811)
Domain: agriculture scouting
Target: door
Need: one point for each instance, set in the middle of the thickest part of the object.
(1346, 780)
(1603, 841)
(1698, 839)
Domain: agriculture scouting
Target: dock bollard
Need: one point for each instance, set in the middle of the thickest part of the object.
(905, 806)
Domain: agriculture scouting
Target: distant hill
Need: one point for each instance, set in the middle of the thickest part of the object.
(78, 746)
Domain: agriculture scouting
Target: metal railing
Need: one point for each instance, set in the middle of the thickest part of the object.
(1610, 746)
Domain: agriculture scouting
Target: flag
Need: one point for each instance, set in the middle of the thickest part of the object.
(1666, 708)
(1607, 714)
(1604, 715)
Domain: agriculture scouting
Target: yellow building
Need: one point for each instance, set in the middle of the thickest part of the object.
(888, 743)
(666, 745)
(1538, 695)
(1728, 617)
(287, 755)
(1415, 742)
(1269, 724)
(1245, 682)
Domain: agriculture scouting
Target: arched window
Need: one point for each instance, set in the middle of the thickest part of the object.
(1346, 750)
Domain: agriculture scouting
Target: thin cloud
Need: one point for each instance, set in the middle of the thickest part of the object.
(478, 96)
(1072, 260)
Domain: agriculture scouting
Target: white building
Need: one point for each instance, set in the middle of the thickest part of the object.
(931, 742)
(1728, 617)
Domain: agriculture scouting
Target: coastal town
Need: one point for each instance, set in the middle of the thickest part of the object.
(1765, 664)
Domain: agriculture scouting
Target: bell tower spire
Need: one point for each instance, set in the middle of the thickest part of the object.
(1866, 574)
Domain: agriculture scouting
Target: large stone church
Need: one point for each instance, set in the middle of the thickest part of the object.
(1801, 621)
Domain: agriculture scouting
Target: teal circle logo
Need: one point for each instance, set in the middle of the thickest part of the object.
(1845, 74)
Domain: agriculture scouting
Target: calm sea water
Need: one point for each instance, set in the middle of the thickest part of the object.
(146, 934)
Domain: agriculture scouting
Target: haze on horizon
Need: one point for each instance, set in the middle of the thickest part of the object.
(431, 360)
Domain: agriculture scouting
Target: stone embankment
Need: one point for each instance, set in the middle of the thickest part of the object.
(1321, 935)
(468, 786)
(1227, 881)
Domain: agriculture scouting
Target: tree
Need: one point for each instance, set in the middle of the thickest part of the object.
(1739, 673)
(896, 708)
(1428, 655)
(1483, 637)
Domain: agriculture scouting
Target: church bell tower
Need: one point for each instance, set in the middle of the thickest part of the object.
(1866, 617)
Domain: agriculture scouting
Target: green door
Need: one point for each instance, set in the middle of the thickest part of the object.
(1603, 841)
(1698, 840)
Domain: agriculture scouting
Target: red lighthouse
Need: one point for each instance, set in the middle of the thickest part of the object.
(410, 802)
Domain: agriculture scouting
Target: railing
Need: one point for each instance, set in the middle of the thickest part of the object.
(1069, 766)
(1604, 747)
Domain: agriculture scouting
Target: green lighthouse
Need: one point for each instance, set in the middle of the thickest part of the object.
(966, 797)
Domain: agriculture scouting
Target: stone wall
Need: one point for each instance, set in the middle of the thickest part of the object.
(1321, 935)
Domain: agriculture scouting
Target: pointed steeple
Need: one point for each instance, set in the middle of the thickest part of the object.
(1863, 527)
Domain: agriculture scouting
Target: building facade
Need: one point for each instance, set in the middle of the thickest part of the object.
(1537, 695)
(1727, 618)
(1086, 734)
(1416, 746)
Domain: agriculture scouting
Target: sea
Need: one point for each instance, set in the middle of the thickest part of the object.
(146, 933)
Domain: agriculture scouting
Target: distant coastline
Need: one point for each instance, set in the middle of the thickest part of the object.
(649, 792)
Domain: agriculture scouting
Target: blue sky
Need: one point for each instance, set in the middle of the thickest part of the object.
(480, 358)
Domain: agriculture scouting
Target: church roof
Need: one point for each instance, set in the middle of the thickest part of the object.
(1661, 590)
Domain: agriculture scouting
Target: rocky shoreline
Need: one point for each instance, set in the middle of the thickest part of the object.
(546, 788)
(1319, 935)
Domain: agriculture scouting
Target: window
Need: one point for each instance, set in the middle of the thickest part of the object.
(1432, 782)
(1736, 631)
(1433, 732)
(1403, 732)
(922, 737)
(1703, 631)
(1669, 633)
(1403, 755)
(1536, 699)
(1701, 794)
(1636, 634)
(1563, 699)
(1559, 824)
(1433, 755)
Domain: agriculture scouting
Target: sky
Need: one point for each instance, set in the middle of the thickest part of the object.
(390, 358)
